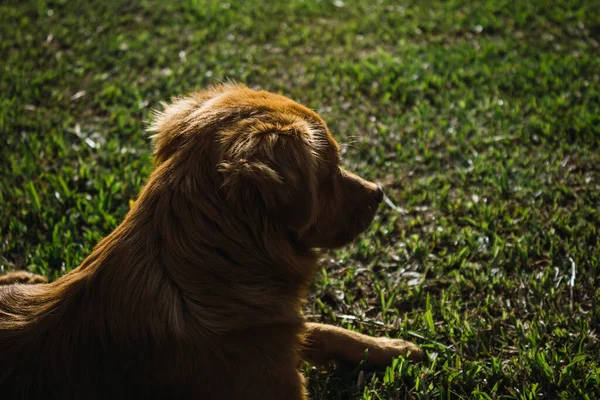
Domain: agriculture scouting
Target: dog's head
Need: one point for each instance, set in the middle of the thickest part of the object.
(271, 160)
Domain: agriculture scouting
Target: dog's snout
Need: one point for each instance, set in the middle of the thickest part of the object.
(379, 193)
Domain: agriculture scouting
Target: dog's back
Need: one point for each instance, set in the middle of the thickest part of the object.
(67, 351)
(58, 356)
(18, 347)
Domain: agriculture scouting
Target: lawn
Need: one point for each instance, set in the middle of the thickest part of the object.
(481, 119)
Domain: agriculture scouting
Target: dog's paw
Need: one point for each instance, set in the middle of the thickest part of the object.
(21, 277)
(386, 349)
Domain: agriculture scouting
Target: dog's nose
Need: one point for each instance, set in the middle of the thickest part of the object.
(379, 193)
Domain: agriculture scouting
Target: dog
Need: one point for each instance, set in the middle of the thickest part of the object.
(197, 294)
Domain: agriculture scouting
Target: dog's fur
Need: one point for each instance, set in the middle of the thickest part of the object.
(197, 293)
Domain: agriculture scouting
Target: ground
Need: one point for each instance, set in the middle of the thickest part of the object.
(481, 120)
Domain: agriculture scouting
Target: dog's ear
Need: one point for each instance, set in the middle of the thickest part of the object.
(272, 170)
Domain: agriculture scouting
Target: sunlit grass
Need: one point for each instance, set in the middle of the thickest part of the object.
(480, 119)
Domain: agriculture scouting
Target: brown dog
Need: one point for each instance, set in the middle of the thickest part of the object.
(197, 294)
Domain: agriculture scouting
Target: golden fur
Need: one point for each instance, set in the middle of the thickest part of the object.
(197, 293)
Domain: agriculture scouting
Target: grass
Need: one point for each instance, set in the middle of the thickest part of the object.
(481, 119)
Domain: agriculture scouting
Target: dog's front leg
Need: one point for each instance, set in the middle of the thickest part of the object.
(325, 343)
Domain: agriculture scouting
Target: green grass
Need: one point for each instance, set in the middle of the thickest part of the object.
(481, 119)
